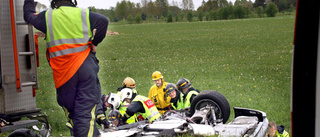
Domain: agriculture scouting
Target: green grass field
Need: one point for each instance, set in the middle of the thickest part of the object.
(248, 61)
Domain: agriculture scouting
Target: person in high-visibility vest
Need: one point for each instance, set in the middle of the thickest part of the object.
(110, 101)
(277, 131)
(72, 36)
(126, 97)
(143, 106)
(189, 92)
(176, 96)
(156, 94)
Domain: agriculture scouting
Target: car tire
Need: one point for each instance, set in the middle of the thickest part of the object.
(215, 99)
(23, 132)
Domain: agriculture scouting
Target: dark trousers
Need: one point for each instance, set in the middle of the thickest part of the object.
(80, 96)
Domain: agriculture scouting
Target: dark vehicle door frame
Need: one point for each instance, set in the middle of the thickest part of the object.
(305, 97)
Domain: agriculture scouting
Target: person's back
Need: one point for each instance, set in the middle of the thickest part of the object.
(143, 106)
(151, 112)
(71, 47)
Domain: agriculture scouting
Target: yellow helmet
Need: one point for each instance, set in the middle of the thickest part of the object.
(156, 75)
(129, 82)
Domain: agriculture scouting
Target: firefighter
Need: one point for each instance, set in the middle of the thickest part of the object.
(72, 36)
(143, 106)
(115, 117)
(277, 131)
(128, 82)
(126, 96)
(189, 92)
(111, 101)
(156, 94)
(176, 96)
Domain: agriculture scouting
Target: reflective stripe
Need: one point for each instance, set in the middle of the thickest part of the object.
(85, 30)
(68, 51)
(187, 102)
(153, 113)
(68, 124)
(180, 104)
(67, 115)
(101, 116)
(93, 117)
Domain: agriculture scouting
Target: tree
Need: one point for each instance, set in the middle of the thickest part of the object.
(200, 15)
(191, 5)
(138, 18)
(92, 8)
(184, 4)
(177, 18)
(271, 9)
(182, 16)
(187, 5)
(150, 17)
(174, 10)
(130, 19)
(238, 12)
(121, 10)
(144, 4)
(292, 8)
(226, 13)
(259, 11)
(151, 8)
(169, 18)
(162, 6)
(190, 16)
(258, 3)
(208, 16)
(283, 5)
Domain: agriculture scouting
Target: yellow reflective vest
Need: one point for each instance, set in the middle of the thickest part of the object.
(151, 112)
(284, 134)
(67, 43)
(187, 102)
(123, 107)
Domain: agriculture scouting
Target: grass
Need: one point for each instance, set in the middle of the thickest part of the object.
(248, 61)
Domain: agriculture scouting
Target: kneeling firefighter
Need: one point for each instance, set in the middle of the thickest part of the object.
(126, 96)
(143, 106)
(112, 101)
(176, 96)
(189, 92)
(115, 117)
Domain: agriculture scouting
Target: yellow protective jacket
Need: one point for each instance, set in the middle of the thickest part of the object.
(157, 95)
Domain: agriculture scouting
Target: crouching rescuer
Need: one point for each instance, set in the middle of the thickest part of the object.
(143, 106)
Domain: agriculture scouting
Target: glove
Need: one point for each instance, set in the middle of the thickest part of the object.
(124, 118)
(101, 119)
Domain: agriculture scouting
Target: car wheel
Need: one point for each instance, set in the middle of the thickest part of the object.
(23, 133)
(216, 100)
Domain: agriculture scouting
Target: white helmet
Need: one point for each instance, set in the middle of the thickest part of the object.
(125, 93)
(114, 100)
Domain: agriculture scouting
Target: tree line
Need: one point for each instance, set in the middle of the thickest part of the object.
(162, 10)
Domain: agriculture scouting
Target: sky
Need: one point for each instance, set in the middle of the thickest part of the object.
(106, 4)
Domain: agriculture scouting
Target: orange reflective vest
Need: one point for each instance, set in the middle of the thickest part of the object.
(68, 34)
